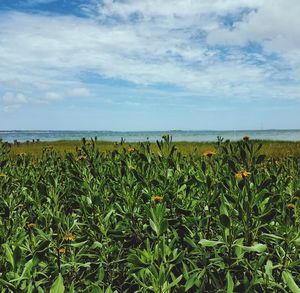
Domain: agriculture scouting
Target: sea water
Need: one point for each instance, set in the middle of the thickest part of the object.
(133, 136)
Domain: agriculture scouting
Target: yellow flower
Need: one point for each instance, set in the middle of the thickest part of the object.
(291, 206)
(81, 158)
(31, 225)
(157, 198)
(3, 175)
(69, 236)
(242, 174)
(209, 153)
(131, 150)
(62, 250)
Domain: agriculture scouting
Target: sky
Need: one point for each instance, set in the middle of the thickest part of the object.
(149, 64)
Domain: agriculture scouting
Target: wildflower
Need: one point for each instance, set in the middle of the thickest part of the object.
(69, 236)
(289, 178)
(3, 175)
(157, 198)
(88, 143)
(22, 154)
(81, 158)
(242, 174)
(291, 206)
(62, 250)
(131, 150)
(209, 153)
(31, 225)
(246, 138)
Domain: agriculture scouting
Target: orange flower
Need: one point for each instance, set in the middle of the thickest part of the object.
(31, 225)
(209, 153)
(81, 158)
(157, 198)
(242, 174)
(69, 236)
(62, 250)
(291, 206)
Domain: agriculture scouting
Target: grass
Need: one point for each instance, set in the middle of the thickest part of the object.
(275, 149)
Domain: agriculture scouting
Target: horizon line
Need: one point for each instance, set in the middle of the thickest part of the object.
(162, 130)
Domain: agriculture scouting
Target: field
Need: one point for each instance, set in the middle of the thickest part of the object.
(150, 218)
(272, 149)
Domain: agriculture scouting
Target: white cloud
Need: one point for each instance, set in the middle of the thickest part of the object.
(52, 96)
(79, 92)
(153, 42)
(46, 98)
(275, 25)
(10, 98)
(171, 9)
(12, 101)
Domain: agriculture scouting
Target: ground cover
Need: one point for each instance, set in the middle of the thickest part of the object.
(274, 149)
(139, 218)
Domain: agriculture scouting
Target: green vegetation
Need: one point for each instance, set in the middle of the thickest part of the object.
(274, 149)
(139, 218)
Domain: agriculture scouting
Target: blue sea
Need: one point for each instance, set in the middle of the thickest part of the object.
(133, 136)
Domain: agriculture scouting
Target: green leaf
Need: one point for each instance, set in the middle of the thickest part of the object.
(17, 255)
(273, 236)
(254, 248)
(136, 261)
(269, 268)
(230, 283)
(58, 285)
(163, 226)
(174, 282)
(209, 243)
(27, 269)
(289, 281)
(297, 241)
(8, 254)
(71, 289)
(170, 173)
(7, 284)
(79, 244)
(154, 227)
(191, 282)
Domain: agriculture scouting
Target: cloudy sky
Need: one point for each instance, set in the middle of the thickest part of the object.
(149, 64)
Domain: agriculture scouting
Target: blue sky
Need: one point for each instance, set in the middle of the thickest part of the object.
(149, 65)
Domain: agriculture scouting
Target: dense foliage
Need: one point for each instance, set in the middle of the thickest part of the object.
(134, 220)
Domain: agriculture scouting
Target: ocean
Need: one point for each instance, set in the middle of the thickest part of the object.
(133, 136)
